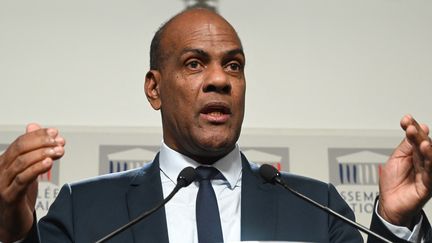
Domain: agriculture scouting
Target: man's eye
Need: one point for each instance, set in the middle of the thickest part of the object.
(234, 67)
(193, 64)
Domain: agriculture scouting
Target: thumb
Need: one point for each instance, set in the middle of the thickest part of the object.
(32, 127)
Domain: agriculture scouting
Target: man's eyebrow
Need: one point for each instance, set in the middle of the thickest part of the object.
(197, 51)
(203, 53)
(235, 52)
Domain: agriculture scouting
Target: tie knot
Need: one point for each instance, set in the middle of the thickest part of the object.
(208, 173)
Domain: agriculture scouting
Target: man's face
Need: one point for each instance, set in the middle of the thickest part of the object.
(201, 86)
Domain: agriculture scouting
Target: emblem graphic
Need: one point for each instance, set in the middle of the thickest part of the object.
(117, 158)
(277, 156)
(355, 173)
(361, 168)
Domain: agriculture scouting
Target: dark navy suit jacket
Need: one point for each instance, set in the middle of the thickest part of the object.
(88, 210)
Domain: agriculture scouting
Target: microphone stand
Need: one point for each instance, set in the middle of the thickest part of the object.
(330, 211)
(272, 175)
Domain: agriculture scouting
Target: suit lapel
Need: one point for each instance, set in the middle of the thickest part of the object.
(258, 205)
(144, 194)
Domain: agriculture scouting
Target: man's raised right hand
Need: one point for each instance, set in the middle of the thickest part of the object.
(29, 156)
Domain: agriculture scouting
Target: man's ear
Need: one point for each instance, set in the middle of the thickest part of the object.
(151, 88)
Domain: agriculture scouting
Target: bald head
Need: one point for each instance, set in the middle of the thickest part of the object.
(162, 43)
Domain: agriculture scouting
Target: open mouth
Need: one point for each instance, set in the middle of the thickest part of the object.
(216, 112)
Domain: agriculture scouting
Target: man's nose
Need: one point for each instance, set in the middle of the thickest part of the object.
(217, 80)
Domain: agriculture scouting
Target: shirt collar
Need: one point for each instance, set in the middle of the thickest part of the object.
(172, 162)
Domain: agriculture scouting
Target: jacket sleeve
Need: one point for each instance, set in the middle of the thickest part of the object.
(378, 227)
(57, 225)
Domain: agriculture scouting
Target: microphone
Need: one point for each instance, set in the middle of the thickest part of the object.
(184, 179)
(272, 175)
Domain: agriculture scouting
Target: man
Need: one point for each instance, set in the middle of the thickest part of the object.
(197, 82)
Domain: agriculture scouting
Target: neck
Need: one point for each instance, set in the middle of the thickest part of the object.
(205, 157)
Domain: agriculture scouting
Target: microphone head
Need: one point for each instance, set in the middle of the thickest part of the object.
(186, 177)
(269, 173)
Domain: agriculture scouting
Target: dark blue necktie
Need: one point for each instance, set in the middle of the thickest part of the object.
(207, 211)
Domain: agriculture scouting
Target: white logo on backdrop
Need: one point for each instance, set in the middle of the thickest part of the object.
(129, 159)
(362, 168)
(355, 173)
(260, 157)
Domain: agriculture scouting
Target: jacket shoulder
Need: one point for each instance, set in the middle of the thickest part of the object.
(109, 183)
(303, 182)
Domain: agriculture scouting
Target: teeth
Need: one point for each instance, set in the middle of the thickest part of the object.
(216, 113)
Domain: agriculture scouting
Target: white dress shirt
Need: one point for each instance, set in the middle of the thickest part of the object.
(180, 211)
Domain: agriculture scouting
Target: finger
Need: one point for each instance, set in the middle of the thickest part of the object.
(416, 136)
(406, 121)
(425, 128)
(415, 140)
(422, 133)
(418, 160)
(26, 160)
(60, 141)
(414, 132)
(426, 151)
(32, 127)
(31, 141)
(409, 120)
(26, 178)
